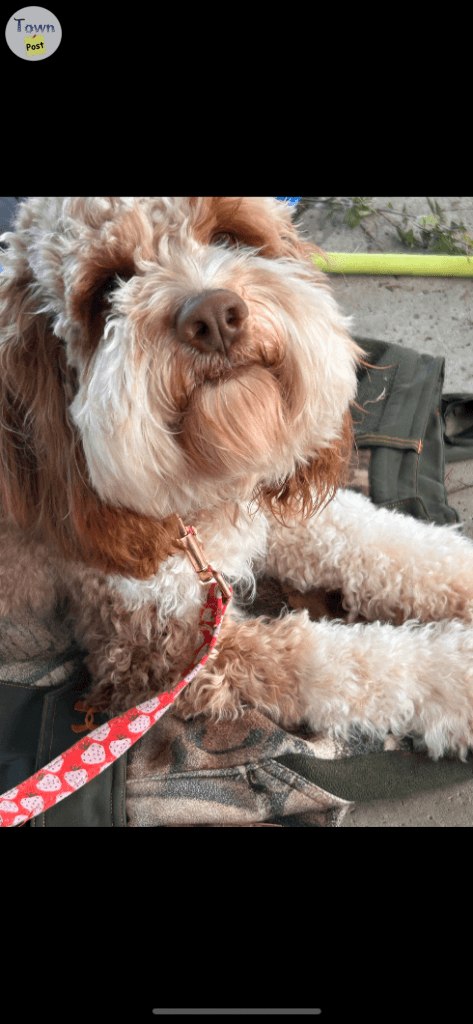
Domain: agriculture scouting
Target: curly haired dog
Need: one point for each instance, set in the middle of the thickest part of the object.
(175, 356)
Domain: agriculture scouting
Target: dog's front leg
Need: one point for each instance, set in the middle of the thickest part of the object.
(415, 679)
(389, 566)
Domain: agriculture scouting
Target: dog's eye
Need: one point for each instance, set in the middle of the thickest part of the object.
(109, 286)
(224, 236)
(113, 282)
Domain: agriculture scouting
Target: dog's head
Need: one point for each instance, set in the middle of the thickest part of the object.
(161, 356)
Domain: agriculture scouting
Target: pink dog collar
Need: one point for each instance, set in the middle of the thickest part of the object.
(92, 754)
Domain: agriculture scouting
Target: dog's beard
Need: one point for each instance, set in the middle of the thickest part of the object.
(235, 426)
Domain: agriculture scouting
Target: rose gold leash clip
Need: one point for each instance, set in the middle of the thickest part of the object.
(198, 561)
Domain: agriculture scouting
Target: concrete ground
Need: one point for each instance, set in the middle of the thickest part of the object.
(433, 316)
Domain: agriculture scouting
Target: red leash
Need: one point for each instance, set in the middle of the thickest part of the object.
(95, 752)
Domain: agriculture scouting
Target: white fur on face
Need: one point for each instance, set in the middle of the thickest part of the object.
(132, 421)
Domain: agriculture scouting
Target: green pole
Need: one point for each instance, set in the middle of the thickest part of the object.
(394, 263)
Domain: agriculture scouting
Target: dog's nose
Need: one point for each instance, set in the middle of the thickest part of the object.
(212, 321)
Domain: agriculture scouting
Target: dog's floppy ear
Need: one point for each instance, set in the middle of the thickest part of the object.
(36, 443)
(45, 488)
